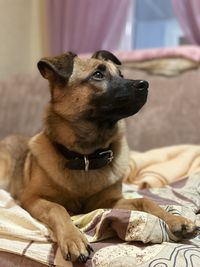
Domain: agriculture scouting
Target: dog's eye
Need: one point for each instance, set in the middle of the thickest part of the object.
(98, 76)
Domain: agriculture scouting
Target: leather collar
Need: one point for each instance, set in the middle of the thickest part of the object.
(75, 161)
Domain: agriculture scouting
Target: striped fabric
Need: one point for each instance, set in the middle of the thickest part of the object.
(111, 231)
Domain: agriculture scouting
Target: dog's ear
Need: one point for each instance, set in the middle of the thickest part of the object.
(52, 68)
(106, 55)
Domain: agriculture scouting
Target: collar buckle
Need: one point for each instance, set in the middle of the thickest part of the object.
(110, 153)
(87, 163)
(109, 158)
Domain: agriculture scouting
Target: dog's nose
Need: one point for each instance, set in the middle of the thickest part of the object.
(141, 85)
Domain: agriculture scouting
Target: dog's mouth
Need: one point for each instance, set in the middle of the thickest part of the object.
(124, 109)
(121, 101)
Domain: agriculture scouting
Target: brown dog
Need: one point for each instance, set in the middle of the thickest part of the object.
(76, 164)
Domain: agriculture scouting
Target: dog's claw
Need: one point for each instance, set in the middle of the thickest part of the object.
(197, 228)
(82, 258)
(187, 231)
(68, 257)
(90, 249)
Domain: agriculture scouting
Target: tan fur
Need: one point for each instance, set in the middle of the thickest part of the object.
(35, 172)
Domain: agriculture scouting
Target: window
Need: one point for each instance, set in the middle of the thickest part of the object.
(151, 24)
(155, 25)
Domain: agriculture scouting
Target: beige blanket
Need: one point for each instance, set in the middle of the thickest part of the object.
(162, 166)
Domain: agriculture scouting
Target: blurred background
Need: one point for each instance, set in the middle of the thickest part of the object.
(31, 29)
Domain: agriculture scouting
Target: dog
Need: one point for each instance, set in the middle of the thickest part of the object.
(77, 162)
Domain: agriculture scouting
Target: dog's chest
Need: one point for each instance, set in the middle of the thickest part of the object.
(79, 183)
(84, 184)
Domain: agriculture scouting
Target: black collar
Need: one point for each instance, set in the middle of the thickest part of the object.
(76, 161)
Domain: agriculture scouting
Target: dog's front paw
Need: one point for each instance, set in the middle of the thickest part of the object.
(183, 228)
(74, 246)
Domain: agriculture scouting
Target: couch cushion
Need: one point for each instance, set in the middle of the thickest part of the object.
(22, 100)
(171, 114)
(14, 260)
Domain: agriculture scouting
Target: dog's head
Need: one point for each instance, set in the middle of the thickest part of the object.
(92, 89)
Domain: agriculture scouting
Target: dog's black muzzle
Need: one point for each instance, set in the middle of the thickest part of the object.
(122, 99)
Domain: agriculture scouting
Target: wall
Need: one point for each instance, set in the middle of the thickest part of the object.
(22, 39)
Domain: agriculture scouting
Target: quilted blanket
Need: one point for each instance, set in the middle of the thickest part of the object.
(119, 237)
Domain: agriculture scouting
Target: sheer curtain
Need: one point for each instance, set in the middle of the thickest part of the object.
(85, 26)
(188, 14)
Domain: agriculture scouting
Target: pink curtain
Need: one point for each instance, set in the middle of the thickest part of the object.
(85, 25)
(188, 14)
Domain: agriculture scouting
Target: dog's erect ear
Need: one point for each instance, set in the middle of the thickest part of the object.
(52, 68)
(106, 55)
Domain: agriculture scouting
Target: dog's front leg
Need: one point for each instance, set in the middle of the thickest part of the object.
(181, 227)
(72, 242)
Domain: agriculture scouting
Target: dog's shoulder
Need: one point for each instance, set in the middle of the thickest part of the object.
(45, 154)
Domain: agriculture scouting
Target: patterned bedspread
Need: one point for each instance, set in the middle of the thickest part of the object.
(118, 237)
(158, 246)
